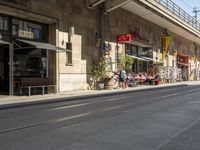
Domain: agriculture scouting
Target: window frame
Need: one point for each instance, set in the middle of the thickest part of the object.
(69, 57)
(44, 31)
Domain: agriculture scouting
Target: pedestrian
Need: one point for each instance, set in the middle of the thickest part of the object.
(122, 78)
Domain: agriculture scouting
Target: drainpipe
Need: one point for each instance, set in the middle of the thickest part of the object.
(11, 69)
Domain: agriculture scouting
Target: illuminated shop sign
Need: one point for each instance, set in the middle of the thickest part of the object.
(26, 34)
(124, 38)
(133, 36)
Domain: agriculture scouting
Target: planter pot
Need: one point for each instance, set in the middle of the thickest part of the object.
(100, 86)
(109, 84)
(157, 82)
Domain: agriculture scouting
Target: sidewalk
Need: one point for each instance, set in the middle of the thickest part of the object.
(14, 101)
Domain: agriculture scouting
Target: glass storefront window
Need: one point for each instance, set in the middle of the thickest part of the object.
(131, 49)
(30, 63)
(145, 51)
(3, 23)
(29, 30)
(138, 50)
(142, 66)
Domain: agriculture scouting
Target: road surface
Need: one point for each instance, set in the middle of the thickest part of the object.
(159, 119)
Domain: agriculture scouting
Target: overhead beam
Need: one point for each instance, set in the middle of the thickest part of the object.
(93, 3)
(114, 4)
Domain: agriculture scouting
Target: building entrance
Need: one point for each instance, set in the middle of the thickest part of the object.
(4, 69)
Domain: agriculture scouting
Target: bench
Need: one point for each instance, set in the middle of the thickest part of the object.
(33, 83)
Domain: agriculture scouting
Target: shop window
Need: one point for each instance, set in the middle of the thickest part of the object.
(145, 51)
(3, 23)
(69, 54)
(131, 49)
(29, 30)
(30, 63)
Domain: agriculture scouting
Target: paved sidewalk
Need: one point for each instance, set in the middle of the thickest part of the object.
(10, 101)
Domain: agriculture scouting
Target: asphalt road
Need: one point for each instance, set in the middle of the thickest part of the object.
(159, 119)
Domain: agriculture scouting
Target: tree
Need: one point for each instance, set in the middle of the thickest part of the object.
(125, 62)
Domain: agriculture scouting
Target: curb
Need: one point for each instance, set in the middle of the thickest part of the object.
(74, 98)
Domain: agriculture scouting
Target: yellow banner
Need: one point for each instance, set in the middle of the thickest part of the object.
(175, 52)
(165, 44)
(193, 58)
(163, 55)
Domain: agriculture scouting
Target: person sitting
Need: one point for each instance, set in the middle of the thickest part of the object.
(131, 80)
(136, 76)
(149, 80)
(142, 78)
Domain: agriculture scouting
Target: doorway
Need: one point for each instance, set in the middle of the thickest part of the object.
(4, 69)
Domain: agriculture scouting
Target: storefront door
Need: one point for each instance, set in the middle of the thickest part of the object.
(4, 69)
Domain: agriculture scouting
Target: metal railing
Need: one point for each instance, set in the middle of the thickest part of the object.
(179, 12)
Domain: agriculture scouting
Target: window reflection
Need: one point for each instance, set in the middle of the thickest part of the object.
(30, 63)
(29, 30)
(3, 23)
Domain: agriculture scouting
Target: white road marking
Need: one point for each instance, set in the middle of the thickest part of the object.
(70, 106)
(112, 108)
(170, 95)
(110, 100)
(71, 117)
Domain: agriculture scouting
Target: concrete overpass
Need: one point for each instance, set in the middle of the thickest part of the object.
(161, 12)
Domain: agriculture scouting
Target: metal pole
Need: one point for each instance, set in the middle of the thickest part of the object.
(11, 69)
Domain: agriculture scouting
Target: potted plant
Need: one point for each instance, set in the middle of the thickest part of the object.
(109, 80)
(98, 72)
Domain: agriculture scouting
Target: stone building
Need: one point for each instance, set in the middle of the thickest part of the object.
(59, 40)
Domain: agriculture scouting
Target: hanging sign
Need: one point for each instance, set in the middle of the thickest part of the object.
(165, 44)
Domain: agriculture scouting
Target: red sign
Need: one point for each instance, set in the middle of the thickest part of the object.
(183, 59)
(124, 38)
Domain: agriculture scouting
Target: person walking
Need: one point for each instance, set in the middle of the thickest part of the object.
(122, 78)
